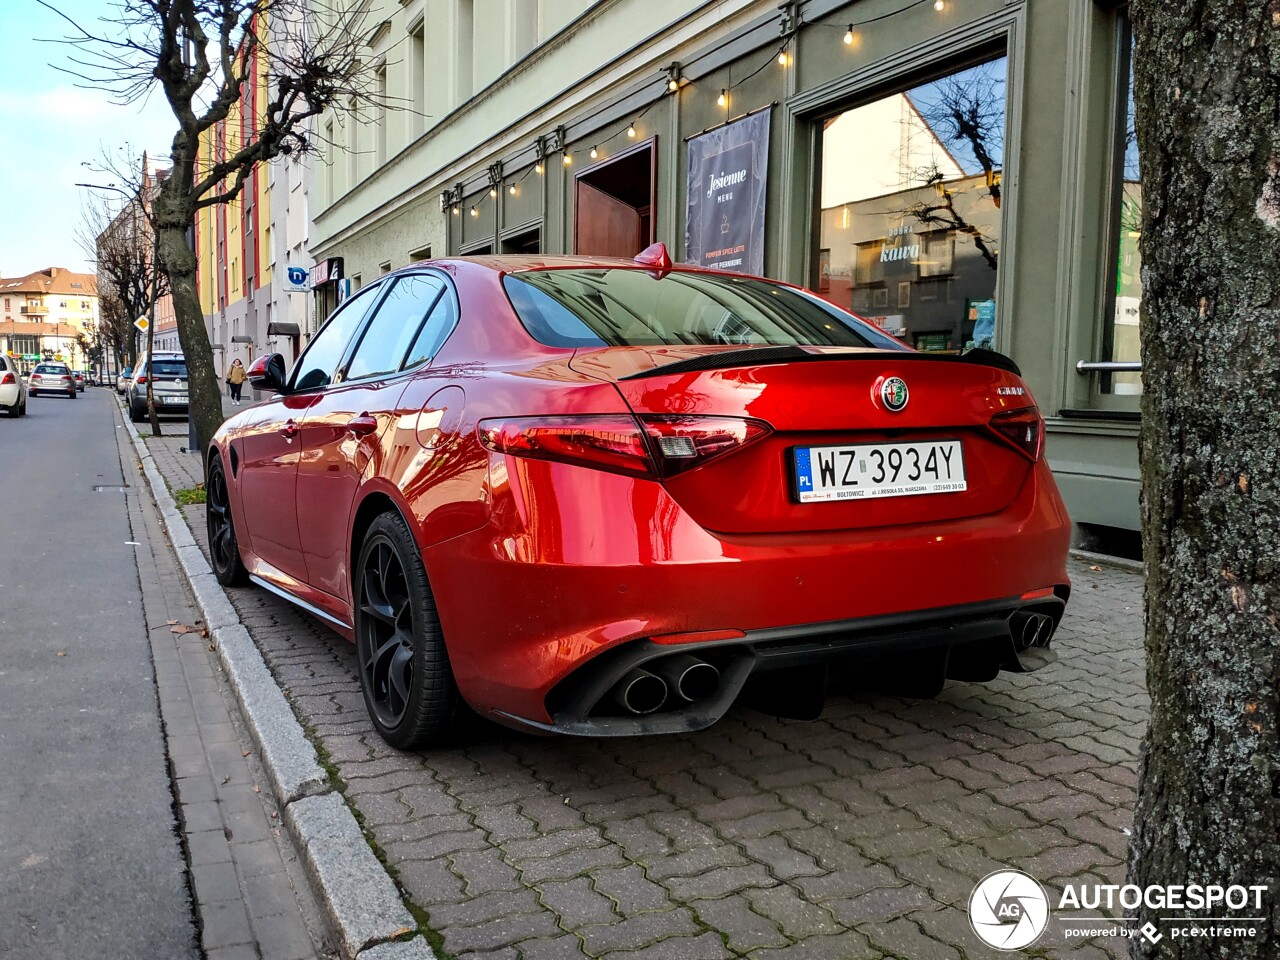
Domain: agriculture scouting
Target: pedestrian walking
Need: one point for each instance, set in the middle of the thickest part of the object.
(235, 380)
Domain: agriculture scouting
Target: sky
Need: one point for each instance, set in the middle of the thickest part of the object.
(49, 127)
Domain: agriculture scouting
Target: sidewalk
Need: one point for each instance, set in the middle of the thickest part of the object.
(859, 835)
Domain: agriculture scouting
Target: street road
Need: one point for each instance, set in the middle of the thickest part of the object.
(90, 860)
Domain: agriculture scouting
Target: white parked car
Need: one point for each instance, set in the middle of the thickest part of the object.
(13, 392)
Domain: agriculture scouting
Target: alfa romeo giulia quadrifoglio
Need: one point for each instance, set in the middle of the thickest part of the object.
(612, 497)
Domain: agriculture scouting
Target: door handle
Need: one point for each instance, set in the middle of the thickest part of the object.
(289, 430)
(362, 425)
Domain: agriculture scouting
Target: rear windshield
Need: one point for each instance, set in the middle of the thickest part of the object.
(51, 368)
(621, 307)
(169, 368)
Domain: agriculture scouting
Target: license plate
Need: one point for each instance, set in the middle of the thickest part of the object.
(175, 399)
(864, 471)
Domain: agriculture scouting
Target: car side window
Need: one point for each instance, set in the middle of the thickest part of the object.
(387, 337)
(319, 363)
(440, 323)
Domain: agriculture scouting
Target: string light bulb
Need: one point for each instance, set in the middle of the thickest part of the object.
(723, 99)
(475, 212)
(594, 153)
(939, 5)
(537, 168)
(783, 59)
(493, 193)
(512, 189)
(631, 131)
(568, 159)
(848, 36)
(673, 84)
(456, 210)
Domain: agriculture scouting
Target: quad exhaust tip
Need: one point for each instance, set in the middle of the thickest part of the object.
(640, 691)
(691, 679)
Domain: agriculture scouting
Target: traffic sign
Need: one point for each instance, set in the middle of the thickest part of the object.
(142, 323)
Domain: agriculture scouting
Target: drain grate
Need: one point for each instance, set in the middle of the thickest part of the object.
(110, 487)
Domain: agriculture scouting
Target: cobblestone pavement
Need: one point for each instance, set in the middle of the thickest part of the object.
(859, 835)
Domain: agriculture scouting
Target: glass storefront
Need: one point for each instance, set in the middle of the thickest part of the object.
(1122, 341)
(910, 209)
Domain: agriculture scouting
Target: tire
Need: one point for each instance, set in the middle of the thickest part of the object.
(33, 393)
(73, 394)
(22, 408)
(224, 551)
(136, 415)
(398, 636)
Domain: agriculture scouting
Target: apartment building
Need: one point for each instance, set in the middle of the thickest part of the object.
(245, 247)
(959, 171)
(51, 314)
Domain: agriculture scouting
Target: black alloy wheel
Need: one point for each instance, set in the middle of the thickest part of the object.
(223, 549)
(405, 674)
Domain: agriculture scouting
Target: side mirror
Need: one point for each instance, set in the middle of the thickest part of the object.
(267, 373)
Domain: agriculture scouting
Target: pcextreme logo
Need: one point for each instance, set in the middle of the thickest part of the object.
(1009, 910)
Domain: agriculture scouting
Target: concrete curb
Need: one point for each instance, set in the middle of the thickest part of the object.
(340, 860)
(361, 902)
(1107, 560)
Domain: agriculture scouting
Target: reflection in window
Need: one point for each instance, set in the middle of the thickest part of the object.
(910, 209)
(1122, 333)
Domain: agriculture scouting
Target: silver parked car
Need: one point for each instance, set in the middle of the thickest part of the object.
(13, 392)
(122, 381)
(52, 378)
(168, 375)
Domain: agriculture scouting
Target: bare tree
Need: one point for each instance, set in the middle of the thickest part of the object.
(1206, 89)
(966, 112)
(119, 237)
(203, 57)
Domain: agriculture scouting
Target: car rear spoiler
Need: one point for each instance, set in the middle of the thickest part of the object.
(764, 356)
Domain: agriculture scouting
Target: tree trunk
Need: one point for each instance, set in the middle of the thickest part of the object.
(1207, 98)
(205, 393)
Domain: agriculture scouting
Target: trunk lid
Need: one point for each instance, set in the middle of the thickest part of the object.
(822, 397)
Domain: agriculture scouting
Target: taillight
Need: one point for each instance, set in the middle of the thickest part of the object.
(1022, 429)
(612, 443)
(7, 379)
(656, 446)
(681, 443)
(35, 376)
(141, 380)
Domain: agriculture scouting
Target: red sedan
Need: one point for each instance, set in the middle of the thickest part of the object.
(610, 497)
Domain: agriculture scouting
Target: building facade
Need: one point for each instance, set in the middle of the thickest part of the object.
(51, 314)
(246, 246)
(962, 172)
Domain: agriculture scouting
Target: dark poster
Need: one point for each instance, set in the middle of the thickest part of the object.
(724, 214)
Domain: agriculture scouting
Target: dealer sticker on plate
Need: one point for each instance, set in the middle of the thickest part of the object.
(863, 471)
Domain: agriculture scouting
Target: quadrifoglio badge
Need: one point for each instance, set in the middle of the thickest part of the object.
(1010, 910)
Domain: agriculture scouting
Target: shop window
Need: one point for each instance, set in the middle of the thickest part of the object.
(1121, 341)
(910, 209)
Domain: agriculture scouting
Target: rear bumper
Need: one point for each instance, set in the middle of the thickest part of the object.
(972, 636)
(9, 394)
(554, 582)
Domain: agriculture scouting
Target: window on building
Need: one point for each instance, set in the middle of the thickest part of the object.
(464, 49)
(910, 209)
(418, 78)
(329, 148)
(353, 143)
(380, 118)
(1121, 342)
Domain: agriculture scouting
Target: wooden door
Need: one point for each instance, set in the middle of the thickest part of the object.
(603, 225)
